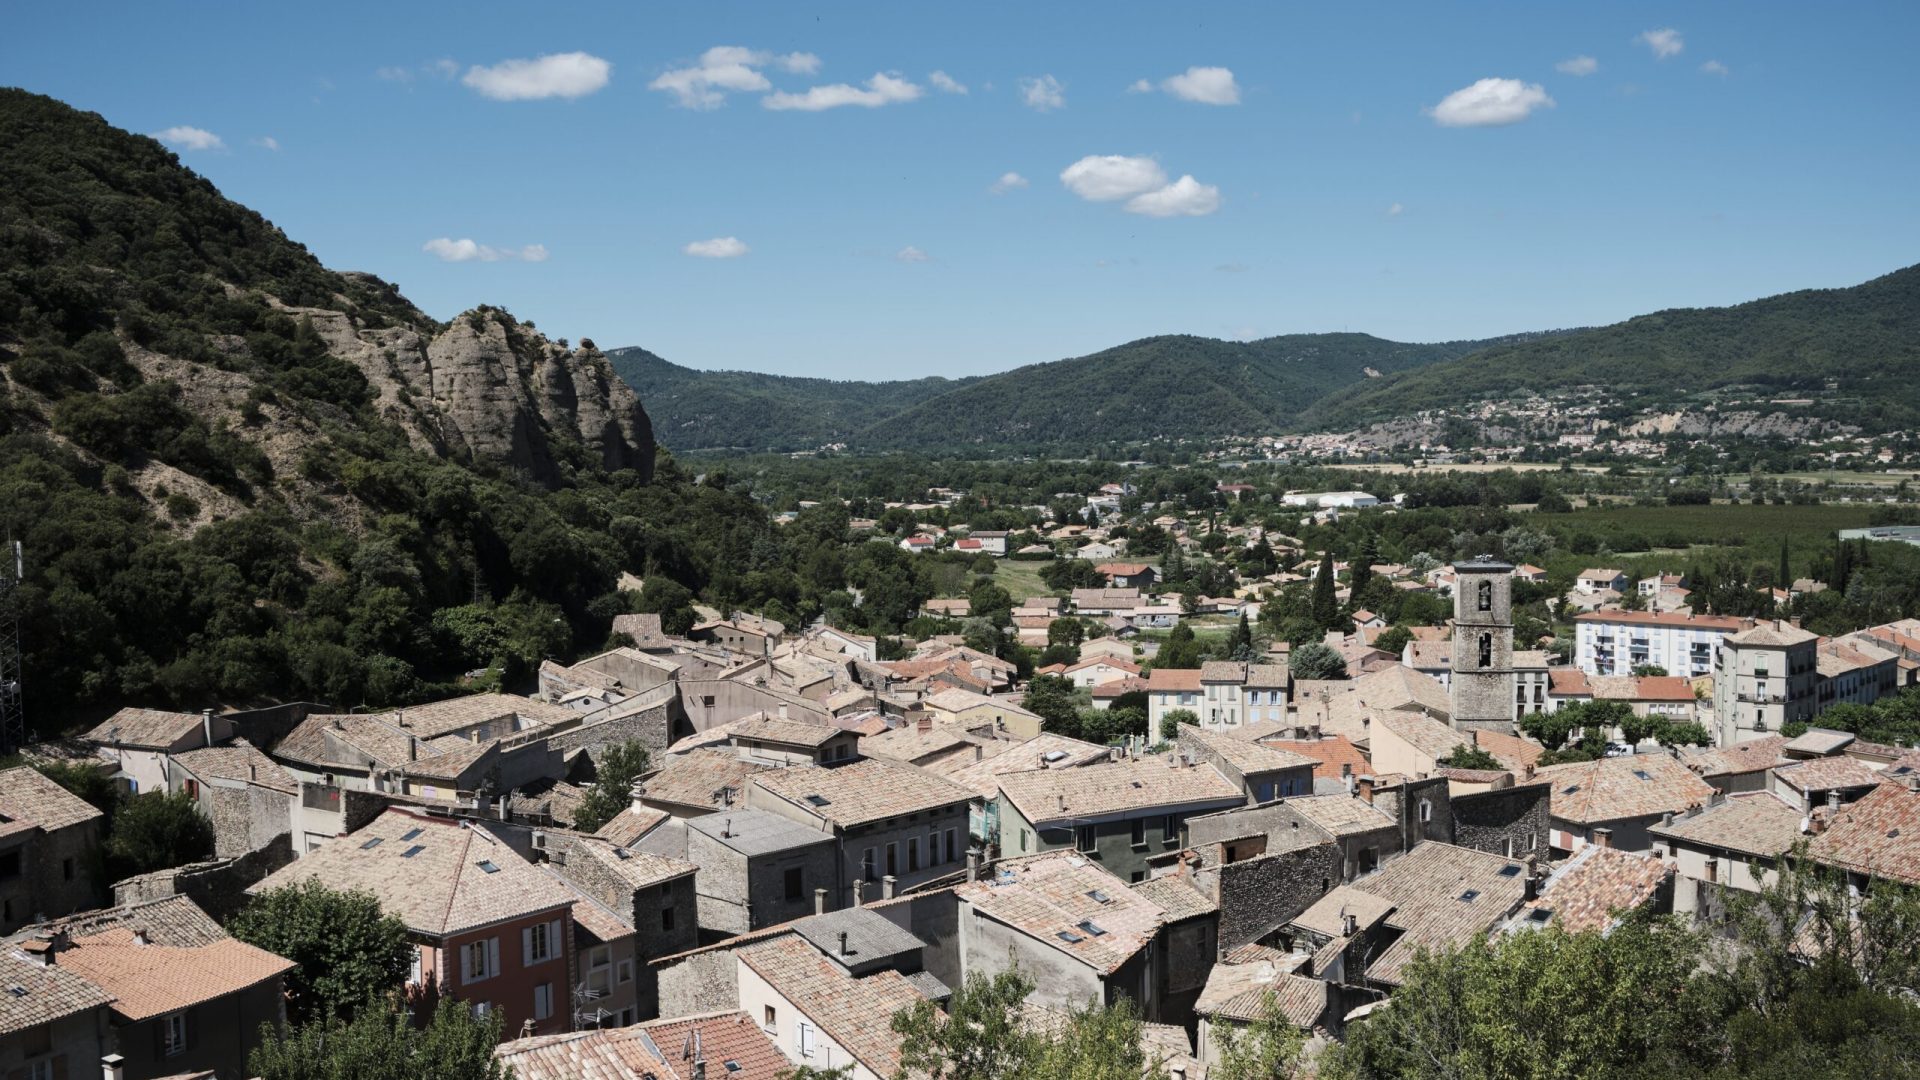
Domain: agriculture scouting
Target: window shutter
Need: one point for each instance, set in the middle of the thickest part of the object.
(555, 949)
(526, 946)
(493, 956)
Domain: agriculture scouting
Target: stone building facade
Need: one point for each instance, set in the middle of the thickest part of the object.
(1482, 682)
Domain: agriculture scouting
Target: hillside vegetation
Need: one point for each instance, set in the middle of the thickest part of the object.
(1855, 350)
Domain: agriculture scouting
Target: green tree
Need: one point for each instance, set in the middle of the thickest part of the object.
(1269, 1048)
(156, 831)
(1325, 605)
(1784, 575)
(351, 954)
(1052, 698)
(1393, 640)
(1240, 641)
(1180, 650)
(1316, 661)
(1468, 756)
(671, 601)
(1641, 671)
(383, 1044)
(619, 766)
(980, 1037)
(1171, 720)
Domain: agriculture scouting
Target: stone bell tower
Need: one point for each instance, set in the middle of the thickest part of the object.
(1482, 685)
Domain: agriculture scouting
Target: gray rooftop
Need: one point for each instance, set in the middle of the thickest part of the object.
(756, 832)
(871, 937)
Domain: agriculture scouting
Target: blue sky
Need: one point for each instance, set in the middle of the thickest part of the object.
(1350, 168)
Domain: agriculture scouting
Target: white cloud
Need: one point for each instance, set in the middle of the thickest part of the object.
(1007, 182)
(1579, 65)
(1185, 197)
(393, 74)
(1715, 67)
(726, 69)
(1489, 103)
(911, 254)
(1141, 86)
(266, 142)
(1104, 178)
(1204, 86)
(562, 75)
(466, 250)
(1396, 210)
(182, 137)
(882, 89)
(946, 83)
(1043, 92)
(443, 68)
(1664, 43)
(720, 247)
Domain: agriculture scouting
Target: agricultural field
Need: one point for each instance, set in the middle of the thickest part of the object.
(1681, 534)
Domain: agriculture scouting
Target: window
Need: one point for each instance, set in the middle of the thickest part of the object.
(1486, 596)
(414, 972)
(893, 859)
(480, 960)
(913, 853)
(1138, 834)
(1084, 838)
(1170, 831)
(623, 972)
(869, 869)
(666, 918)
(953, 845)
(481, 1009)
(1138, 877)
(1023, 839)
(536, 943)
(933, 848)
(543, 1001)
(803, 1038)
(40, 1070)
(795, 883)
(9, 865)
(772, 1022)
(1426, 810)
(66, 869)
(599, 956)
(1486, 650)
(173, 1034)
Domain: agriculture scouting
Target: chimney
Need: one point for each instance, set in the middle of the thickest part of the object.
(253, 771)
(1527, 771)
(1062, 800)
(140, 938)
(1473, 736)
(113, 1067)
(973, 865)
(979, 751)
(413, 748)
(886, 887)
(859, 892)
(726, 829)
(819, 901)
(1365, 788)
(843, 943)
(1603, 837)
(926, 722)
(783, 710)
(206, 725)
(1833, 799)
(1666, 818)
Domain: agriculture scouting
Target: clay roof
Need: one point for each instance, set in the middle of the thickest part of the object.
(1826, 774)
(1568, 682)
(1328, 915)
(1181, 680)
(795, 732)
(1122, 569)
(1877, 835)
(238, 761)
(1117, 687)
(1820, 741)
(1441, 895)
(1245, 755)
(696, 777)
(1772, 634)
(459, 875)
(864, 791)
(1241, 991)
(1342, 814)
(1612, 789)
(1755, 823)
(628, 826)
(1513, 752)
(1116, 787)
(1328, 754)
(645, 630)
(1754, 755)
(983, 777)
(32, 994)
(153, 728)
(958, 700)
(1066, 902)
(186, 958)
(732, 1043)
(1232, 671)
(28, 798)
(910, 744)
(852, 1012)
(638, 869)
(1177, 896)
(1588, 891)
(1425, 734)
(602, 1054)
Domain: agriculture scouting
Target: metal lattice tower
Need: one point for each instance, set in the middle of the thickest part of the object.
(13, 716)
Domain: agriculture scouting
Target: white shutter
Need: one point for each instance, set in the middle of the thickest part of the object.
(526, 946)
(803, 1035)
(493, 956)
(554, 947)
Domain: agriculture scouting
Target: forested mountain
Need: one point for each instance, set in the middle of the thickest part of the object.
(1191, 386)
(1854, 350)
(695, 410)
(239, 475)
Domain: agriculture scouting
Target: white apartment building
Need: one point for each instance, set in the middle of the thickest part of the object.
(1764, 677)
(1616, 642)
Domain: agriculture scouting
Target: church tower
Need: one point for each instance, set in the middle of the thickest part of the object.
(1482, 686)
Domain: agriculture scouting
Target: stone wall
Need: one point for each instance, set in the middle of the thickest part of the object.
(653, 728)
(738, 894)
(1433, 794)
(246, 818)
(934, 918)
(703, 983)
(219, 888)
(54, 876)
(1259, 895)
(1511, 822)
(655, 933)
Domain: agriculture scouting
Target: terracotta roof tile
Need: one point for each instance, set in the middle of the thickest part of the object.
(1328, 755)
(1114, 787)
(850, 1011)
(1588, 891)
(1241, 992)
(1826, 774)
(147, 980)
(1248, 757)
(28, 797)
(629, 825)
(1879, 835)
(1753, 823)
(32, 994)
(1341, 815)
(697, 778)
(1441, 896)
(1612, 789)
(863, 791)
(732, 1044)
(238, 761)
(604, 1054)
(1063, 901)
(1754, 755)
(1174, 680)
(144, 727)
(983, 777)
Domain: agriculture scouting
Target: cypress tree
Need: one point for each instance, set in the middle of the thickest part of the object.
(1786, 566)
(1325, 607)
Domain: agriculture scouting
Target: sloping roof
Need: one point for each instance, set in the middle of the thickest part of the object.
(1754, 755)
(1681, 620)
(28, 797)
(154, 728)
(1328, 915)
(1826, 774)
(1588, 891)
(1113, 788)
(186, 958)
(756, 832)
(32, 993)
(1878, 835)
(238, 761)
(638, 869)
(788, 732)
(869, 935)
(1177, 897)
(1232, 671)
(911, 744)
(1246, 756)
(1612, 789)
(1065, 901)
(864, 791)
(1342, 814)
(645, 630)
(850, 1011)
(1055, 751)
(1174, 680)
(445, 885)
(1240, 992)
(697, 777)
(733, 1046)
(1425, 734)
(1820, 741)
(1513, 752)
(602, 1054)
(1773, 634)
(1568, 682)
(1753, 823)
(628, 826)
(1441, 895)
(1328, 755)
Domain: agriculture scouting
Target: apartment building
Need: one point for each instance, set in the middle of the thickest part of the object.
(1616, 642)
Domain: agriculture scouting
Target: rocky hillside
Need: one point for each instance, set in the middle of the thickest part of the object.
(240, 475)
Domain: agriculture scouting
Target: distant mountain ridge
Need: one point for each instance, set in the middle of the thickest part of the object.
(1173, 385)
